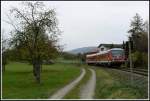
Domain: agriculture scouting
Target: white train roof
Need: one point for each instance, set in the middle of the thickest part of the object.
(116, 49)
(103, 52)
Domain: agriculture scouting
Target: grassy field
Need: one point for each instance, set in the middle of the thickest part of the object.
(113, 84)
(18, 81)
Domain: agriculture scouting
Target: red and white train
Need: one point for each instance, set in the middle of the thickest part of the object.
(114, 56)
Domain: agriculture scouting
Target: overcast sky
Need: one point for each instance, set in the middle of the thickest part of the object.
(89, 23)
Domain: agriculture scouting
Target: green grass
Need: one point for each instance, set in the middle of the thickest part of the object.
(112, 84)
(18, 81)
(74, 93)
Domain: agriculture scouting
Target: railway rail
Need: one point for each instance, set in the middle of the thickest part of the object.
(143, 72)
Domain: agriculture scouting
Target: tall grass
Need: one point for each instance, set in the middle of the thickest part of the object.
(113, 84)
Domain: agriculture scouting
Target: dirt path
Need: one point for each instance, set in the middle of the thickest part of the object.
(62, 92)
(87, 92)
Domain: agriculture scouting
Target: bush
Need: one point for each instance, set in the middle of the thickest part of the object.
(139, 59)
(145, 60)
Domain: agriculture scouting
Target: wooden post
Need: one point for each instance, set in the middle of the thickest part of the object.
(130, 57)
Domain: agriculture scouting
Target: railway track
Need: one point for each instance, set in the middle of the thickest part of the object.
(143, 72)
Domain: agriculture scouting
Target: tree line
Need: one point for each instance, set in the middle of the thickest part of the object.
(138, 37)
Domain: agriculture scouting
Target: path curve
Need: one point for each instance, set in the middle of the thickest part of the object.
(63, 91)
(87, 92)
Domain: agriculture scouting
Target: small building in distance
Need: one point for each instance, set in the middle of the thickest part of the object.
(104, 47)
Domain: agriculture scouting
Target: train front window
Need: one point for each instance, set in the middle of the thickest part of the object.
(117, 52)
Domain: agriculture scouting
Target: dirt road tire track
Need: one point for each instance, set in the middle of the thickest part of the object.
(63, 91)
(87, 92)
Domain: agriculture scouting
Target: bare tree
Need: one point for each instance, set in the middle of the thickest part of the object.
(36, 33)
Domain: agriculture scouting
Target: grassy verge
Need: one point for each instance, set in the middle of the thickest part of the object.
(74, 93)
(112, 84)
(18, 81)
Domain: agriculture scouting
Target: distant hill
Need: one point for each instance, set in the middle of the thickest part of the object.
(82, 50)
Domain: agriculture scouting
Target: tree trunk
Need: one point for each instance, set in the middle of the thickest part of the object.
(3, 68)
(37, 70)
(34, 70)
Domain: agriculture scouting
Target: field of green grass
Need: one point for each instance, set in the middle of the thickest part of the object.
(18, 80)
(112, 84)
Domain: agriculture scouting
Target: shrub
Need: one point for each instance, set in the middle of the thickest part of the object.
(139, 59)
